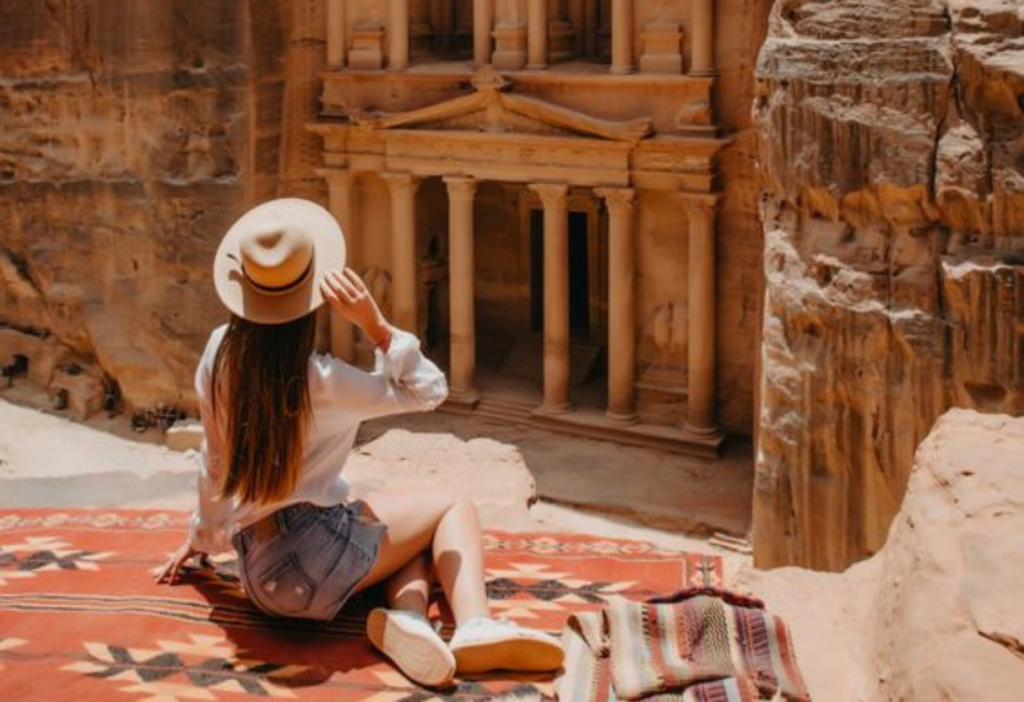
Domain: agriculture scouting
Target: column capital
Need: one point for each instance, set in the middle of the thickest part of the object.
(551, 194)
(460, 187)
(705, 204)
(617, 199)
(398, 182)
(336, 175)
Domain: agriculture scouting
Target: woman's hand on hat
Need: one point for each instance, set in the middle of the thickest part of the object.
(346, 292)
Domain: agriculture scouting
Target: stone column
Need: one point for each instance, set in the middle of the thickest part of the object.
(336, 31)
(556, 296)
(340, 186)
(702, 57)
(537, 34)
(461, 191)
(621, 317)
(398, 34)
(701, 308)
(403, 188)
(483, 25)
(622, 36)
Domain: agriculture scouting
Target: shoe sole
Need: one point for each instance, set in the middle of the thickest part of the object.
(424, 661)
(522, 655)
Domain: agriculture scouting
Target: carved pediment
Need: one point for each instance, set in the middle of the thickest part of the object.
(496, 121)
(492, 108)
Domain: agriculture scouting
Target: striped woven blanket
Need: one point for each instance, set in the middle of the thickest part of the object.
(698, 645)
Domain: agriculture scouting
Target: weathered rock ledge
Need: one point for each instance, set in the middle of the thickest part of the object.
(935, 615)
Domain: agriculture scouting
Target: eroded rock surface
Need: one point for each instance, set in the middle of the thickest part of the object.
(894, 242)
(935, 614)
(128, 132)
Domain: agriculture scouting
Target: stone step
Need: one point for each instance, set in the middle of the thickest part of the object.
(503, 410)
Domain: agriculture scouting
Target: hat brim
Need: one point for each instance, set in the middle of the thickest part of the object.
(249, 303)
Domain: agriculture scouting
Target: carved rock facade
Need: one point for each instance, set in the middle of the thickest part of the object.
(138, 132)
(560, 192)
(894, 244)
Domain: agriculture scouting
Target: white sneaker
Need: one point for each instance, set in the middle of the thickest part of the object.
(408, 639)
(484, 644)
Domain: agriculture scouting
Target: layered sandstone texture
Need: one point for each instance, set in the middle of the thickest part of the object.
(935, 615)
(740, 29)
(133, 134)
(891, 135)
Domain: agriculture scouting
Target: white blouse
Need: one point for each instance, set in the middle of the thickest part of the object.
(342, 396)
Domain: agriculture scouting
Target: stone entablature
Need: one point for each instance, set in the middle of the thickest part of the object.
(674, 104)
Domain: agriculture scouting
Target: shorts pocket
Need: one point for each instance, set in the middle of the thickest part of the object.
(286, 588)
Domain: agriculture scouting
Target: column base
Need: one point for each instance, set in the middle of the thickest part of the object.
(711, 432)
(621, 70)
(464, 398)
(549, 410)
(702, 73)
(509, 48)
(536, 66)
(508, 61)
(622, 418)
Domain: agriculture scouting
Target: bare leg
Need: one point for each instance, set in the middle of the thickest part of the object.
(409, 588)
(402, 632)
(459, 559)
(451, 526)
(417, 520)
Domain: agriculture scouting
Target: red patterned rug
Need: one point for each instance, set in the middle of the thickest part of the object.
(81, 618)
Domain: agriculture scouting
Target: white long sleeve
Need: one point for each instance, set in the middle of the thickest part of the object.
(403, 380)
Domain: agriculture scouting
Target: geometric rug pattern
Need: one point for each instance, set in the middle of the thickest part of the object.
(81, 619)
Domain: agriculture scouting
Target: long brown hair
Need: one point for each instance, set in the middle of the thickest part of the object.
(264, 369)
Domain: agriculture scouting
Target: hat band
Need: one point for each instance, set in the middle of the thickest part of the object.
(279, 289)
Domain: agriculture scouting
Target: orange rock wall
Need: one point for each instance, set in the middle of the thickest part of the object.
(134, 133)
(893, 252)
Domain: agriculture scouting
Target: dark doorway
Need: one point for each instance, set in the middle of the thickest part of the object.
(579, 284)
(433, 333)
(536, 270)
(579, 288)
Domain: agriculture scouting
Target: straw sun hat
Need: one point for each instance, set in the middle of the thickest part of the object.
(270, 263)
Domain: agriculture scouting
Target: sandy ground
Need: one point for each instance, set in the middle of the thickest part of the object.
(522, 479)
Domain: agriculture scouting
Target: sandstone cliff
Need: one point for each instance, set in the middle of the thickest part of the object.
(891, 134)
(935, 614)
(133, 134)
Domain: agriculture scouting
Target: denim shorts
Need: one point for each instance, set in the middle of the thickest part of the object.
(314, 562)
